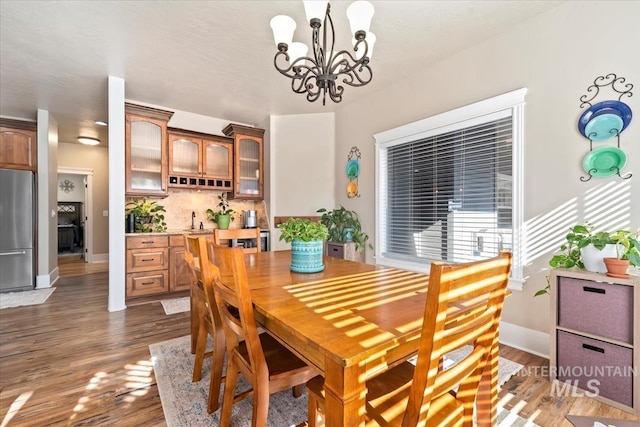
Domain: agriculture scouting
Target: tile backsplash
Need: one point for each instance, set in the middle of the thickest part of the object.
(181, 202)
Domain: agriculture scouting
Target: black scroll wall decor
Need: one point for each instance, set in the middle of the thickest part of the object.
(603, 122)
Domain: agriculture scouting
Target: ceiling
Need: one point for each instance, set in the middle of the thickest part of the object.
(213, 58)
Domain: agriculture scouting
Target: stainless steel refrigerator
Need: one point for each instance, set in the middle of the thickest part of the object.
(17, 224)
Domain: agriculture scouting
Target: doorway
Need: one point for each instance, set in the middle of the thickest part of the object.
(75, 207)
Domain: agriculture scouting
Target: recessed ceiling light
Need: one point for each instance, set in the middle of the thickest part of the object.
(88, 141)
(101, 123)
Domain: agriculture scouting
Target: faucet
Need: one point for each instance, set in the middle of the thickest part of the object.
(193, 218)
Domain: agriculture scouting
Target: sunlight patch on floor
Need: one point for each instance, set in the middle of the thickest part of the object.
(15, 407)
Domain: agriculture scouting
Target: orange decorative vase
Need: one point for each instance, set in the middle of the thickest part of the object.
(616, 267)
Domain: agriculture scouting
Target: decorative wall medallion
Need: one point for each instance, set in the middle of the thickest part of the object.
(66, 186)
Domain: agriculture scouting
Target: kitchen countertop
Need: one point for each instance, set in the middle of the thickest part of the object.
(173, 232)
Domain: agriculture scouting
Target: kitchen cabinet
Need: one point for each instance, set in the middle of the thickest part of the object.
(146, 151)
(147, 265)
(179, 272)
(18, 144)
(200, 161)
(595, 341)
(248, 158)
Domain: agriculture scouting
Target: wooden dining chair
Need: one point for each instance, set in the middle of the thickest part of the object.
(205, 320)
(463, 308)
(222, 237)
(265, 363)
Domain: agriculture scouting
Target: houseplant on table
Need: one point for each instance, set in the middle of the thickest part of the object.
(224, 215)
(149, 216)
(343, 225)
(307, 240)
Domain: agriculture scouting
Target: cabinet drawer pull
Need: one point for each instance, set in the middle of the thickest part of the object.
(151, 241)
(594, 290)
(335, 249)
(147, 283)
(593, 348)
(147, 260)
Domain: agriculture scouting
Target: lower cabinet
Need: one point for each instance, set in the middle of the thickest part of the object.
(595, 342)
(179, 274)
(156, 265)
(147, 265)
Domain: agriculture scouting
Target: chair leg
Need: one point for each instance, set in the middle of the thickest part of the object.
(260, 406)
(195, 323)
(201, 347)
(217, 362)
(313, 412)
(296, 390)
(229, 393)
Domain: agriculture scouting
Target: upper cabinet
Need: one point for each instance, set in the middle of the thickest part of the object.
(248, 173)
(18, 143)
(201, 161)
(146, 157)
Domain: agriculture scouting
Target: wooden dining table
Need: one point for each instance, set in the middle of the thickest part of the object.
(351, 322)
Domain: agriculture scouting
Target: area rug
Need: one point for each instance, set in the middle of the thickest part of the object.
(176, 305)
(185, 402)
(579, 421)
(18, 299)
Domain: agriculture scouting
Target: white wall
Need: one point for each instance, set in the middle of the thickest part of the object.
(556, 56)
(75, 194)
(47, 240)
(302, 166)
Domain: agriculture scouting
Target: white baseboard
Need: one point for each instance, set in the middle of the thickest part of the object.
(100, 258)
(529, 340)
(44, 281)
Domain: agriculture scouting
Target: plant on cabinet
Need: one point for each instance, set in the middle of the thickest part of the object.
(149, 216)
(223, 216)
(627, 252)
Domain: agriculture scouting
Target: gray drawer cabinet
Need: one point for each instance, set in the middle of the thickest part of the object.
(595, 336)
(346, 251)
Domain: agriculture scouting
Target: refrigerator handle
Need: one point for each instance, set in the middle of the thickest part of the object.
(13, 253)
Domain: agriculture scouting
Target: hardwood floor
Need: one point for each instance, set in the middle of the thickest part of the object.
(69, 362)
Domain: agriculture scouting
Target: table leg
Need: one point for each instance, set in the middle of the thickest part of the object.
(487, 399)
(345, 392)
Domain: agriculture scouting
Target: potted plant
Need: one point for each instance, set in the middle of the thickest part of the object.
(343, 225)
(307, 240)
(584, 248)
(627, 253)
(148, 215)
(224, 215)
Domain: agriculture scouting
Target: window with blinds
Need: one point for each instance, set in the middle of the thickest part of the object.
(446, 186)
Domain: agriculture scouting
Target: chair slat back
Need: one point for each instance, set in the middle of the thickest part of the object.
(233, 299)
(464, 305)
(222, 237)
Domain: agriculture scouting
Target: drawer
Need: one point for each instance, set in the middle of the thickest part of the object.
(336, 251)
(147, 260)
(597, 308)
(597, 366)
(137, 242)
(142, 284)
(176, 240)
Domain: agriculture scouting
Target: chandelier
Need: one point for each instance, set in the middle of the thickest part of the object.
(325, 72)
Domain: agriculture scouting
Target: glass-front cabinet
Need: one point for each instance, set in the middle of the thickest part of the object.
(248, 155)
(200, 161)
(146, 151)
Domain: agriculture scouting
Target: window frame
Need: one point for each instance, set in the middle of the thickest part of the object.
(508, 104)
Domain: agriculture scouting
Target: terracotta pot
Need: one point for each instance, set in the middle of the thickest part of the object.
(616, 266)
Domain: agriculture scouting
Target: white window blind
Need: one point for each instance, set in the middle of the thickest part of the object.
(446, 192)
